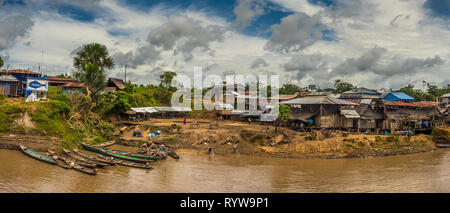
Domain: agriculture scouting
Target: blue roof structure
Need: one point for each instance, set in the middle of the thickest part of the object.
(397, 96)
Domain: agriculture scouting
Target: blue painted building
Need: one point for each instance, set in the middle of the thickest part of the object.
(9, 85)
(36, 89)
(398, 96)
(73, 88)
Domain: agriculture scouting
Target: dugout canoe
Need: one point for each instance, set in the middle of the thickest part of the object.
(94, 157)
(37, 155)
(113, 161)
(68, 158)
(81, 158)
(114, 154)
(134, 155)
(74, 165)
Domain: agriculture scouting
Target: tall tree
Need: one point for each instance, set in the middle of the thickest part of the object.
(166, 80)
(93, 77)
(94, 53)
(1, 62)
(289, 89)
(342, 86)
(90, 65)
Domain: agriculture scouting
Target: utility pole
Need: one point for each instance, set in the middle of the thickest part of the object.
(126, 65)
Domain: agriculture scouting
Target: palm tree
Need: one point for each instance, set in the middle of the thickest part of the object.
(90, 64)
(94, 53)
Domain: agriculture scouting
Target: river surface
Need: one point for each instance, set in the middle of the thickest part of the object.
(424, 172)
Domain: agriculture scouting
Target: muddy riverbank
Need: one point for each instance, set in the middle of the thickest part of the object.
(264, 141)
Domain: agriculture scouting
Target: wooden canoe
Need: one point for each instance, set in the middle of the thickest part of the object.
(107, 143)
(37, 155)
(94, 157)
(81, 158)
(70, 159)
(443, 145)
(173, 154)
(72, 164)
(113, 161)
(114, 154)
(134, 155)
(60, 162)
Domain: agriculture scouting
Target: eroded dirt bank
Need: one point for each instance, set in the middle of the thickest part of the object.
(261, 140)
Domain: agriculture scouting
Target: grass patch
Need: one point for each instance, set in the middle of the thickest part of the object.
(257, 138)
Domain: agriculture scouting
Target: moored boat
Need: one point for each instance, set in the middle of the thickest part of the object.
(37, 155)
(70, 159)
(80, 158)
(73, 164)
(134, 155)
(114, 154)
(107, 143)
(94, 157)
(173, 154)
(443, 145)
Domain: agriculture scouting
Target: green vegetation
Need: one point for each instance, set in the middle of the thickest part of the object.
(289, 89)
(1, 62)
(166, 81)
(431, 94)
(342, 86)
(90, 65)
(257, 138)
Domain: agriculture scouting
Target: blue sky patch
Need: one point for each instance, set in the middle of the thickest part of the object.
(439, 8)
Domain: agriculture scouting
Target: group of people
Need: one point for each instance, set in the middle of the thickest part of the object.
(153, 149)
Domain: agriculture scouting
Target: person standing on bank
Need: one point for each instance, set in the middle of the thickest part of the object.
(209, 149)
(235, 147)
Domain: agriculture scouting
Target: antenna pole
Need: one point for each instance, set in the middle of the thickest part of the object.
(126, 73)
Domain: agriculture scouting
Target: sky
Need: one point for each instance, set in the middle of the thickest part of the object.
(370, 43)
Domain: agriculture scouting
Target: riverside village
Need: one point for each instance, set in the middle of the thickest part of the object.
(81, 123)
(238, 96)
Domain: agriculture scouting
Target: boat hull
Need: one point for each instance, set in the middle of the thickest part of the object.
(114, 155)
(37, 155)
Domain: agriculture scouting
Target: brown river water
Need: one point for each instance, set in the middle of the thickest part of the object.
(423, 172)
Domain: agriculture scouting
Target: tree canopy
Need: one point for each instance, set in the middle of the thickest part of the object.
(342, 86)
(430, 94)
(94, 53)
(90, 64)
(167, 79)
(289, 89)
(1, 62)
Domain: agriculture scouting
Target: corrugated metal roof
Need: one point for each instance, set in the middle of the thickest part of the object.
(235, 112)
(268, 117)
(144, 109)
(446, 95)
(401, 95)
(317, 100)
(161, 109)
(366, 101)
(361, 90)
(349, 113)
(223, 106)
(254, 113)
(8, 78)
